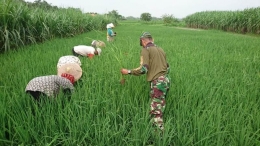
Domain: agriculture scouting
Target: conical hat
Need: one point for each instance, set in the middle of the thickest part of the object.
(72, 69)
(100, 44)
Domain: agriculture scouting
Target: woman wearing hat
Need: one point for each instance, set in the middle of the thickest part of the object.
(50, 85)
(83, 50)
(110, 33)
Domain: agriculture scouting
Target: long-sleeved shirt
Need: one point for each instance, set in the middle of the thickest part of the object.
(110, 32)
(50, 85)
(152, 62)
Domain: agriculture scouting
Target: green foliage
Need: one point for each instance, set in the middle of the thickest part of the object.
(22, 24)
(152, 22)
(170, 20)
(114, 14)
(246, 21)
(42, 4)
(132, 18)
(213, 99)
(146, 17)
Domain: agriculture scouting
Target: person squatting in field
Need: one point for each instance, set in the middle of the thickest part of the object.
(88, 51)
(50, 85)
(153, 63)
(110, 34)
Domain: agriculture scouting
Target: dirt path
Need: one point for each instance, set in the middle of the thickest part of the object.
(185, 28)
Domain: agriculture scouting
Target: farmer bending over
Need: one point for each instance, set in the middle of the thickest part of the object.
(50, 85)
(88, 51)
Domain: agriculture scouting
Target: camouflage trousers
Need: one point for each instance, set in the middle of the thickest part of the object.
(158, 92)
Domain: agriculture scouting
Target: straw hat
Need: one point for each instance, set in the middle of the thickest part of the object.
(71, 68)
(98, 43)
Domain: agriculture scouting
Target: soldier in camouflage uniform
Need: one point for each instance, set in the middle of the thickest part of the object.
(153, 63)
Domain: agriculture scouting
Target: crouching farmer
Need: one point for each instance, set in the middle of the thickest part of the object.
(88, 51)
(50, 85)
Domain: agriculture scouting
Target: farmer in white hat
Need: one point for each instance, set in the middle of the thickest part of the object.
(50, 85)
(110, 34)
(153, 63)
(68, 59)
(88, 51)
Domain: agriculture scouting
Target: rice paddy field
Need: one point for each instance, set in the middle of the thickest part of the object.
(213, 99)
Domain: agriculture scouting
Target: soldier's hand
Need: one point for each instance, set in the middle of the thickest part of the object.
(124, 71)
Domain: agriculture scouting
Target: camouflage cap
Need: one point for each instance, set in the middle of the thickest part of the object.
(146, 35)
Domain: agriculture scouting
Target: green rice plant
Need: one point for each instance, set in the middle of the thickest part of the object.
(22, 25)
(213, 98)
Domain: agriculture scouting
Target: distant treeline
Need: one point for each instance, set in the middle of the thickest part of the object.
(23, 23)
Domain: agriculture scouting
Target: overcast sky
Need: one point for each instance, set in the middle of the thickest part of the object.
(157, 8)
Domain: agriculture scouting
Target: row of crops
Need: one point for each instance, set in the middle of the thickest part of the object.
(21, 24)
(246, 21)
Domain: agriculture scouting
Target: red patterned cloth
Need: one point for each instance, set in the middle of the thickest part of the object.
(69, 77)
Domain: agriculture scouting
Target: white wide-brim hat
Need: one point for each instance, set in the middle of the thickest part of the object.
(71, 68)
(110, 25)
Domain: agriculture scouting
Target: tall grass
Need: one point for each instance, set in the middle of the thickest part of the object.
(21, 24)
(213, 100)
(246, 21)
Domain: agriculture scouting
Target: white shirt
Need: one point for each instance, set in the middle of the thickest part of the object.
(68, 59)
(84, 50)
